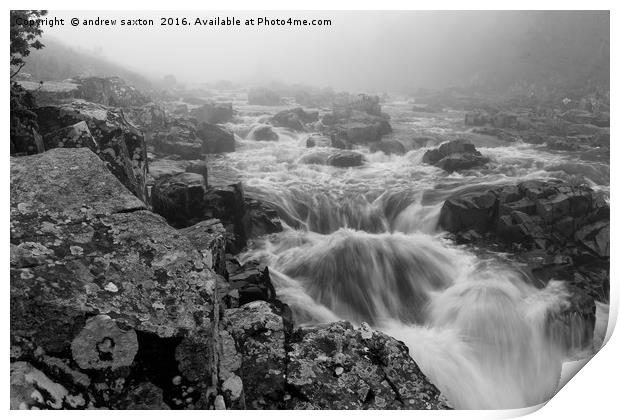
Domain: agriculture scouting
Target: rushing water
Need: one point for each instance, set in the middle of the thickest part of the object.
(362, 244)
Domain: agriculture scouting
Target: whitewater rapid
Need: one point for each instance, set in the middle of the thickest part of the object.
(362, 244)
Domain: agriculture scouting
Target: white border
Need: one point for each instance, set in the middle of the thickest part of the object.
(592, 394)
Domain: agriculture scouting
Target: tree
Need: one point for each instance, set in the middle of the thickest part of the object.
(24, 37)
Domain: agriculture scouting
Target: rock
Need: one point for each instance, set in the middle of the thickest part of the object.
(469, 211)
(250, 282)
(118, 143)
(31, 388)
(67, 197)
(147, 118)
(263, 96)
(263, 132)
(209, 237)
(345, 159)
(143, 396)
(213, 113)
(376, 372)
(180, 198)
(109, 91)
(389, 147)
(455, 156)
(198, 167)
(355, 126)
(178, 138)
(317, 140)
(259, 219)
(595, 237)
(76, 135)
(165, 168)
(315, 158)
(295, 119)
(102, 344)
(215, 139)
(52, 92)
(102, 288)
(559, 221)
(260, 334)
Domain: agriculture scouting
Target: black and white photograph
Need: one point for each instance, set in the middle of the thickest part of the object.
(307, 209)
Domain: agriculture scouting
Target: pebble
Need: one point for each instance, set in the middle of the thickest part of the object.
(176, 380)
(339, 370)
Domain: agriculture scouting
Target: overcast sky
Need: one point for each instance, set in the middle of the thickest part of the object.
(369, 50)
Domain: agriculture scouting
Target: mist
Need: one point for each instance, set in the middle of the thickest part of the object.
(369, 51)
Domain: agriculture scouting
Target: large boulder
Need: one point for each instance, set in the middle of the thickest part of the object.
(180, 198)
(346, 159)
(102, 290)
(455, 156)
(263, 132)
(338, 366)
(354, 126)
(116, 142)
(215, 139)
(178, 138)
(295, 119)
(213, 113)
(388, 146)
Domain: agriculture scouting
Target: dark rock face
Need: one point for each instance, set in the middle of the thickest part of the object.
(389, 147)
(263, 132)
(180, 198)
(249, 282)
(213, 113)
(356, 127)
(243, 217)
(566, 226)
(295, 119)
(117, 142)
(215, 139)
(262, 96)
(455, 156)
(346, 159)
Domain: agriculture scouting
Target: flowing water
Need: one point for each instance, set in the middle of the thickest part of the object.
(362, 244)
